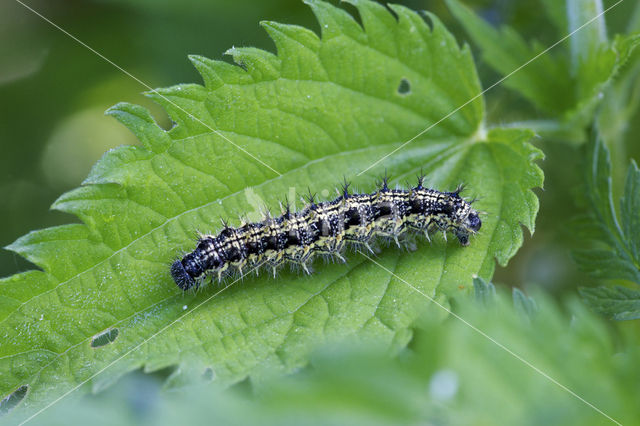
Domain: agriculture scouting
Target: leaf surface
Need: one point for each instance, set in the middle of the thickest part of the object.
(619, 303)
(450, 376)
(613, 239)
(613, 251)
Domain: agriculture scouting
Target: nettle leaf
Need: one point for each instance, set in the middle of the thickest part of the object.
(619, 303)
(449, 376)
(566, 86)
(322, 108)
(496, 388)
(617, 114)
(545, 82)
(614, 244)
(614, 251)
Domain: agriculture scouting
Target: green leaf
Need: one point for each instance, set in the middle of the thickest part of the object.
(567, 91)
(524, 305)
(485, 295)
(613, 245)
(597, 72)
(451, 375)
(546, 82)
(485, 292)
(617, 114)
(616, 117)
(629, 208)
(322, 108)
(495, 387)
(619, 303)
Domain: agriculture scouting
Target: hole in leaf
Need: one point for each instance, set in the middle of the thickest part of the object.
(13, 399)
(104, 338)
(208, 374)
(405, 87)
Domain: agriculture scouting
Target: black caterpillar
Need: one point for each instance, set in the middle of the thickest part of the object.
(324, 227)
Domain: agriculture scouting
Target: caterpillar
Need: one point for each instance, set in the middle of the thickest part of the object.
(324, 228)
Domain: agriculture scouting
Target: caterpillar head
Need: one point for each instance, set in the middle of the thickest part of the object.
(467, 220)
(181, 276)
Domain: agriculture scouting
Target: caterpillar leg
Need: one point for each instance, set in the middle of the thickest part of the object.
(306, 268)
(340, 257)
(368, 247)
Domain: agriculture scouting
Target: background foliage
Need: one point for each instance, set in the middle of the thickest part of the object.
(67, 103)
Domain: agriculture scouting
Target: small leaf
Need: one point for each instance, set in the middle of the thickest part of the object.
(614, 248)
(523, 304)
(545, 82)
(619, 303)
(485, 292)
(617, 115)
(567, 91)
(613, 251)
(630, 211)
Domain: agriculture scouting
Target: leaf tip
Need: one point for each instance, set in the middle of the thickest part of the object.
(206, 69)
(139, 121)
(267, 24)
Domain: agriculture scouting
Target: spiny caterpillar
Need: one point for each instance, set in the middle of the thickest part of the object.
(324, 228)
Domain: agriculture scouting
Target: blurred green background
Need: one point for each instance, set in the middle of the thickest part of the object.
(53, 93)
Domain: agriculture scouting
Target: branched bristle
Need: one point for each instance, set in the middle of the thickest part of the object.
(345, 188)
(310, 197)
(384, 182)
(459, 189)
(421, 177)
(285, 207)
